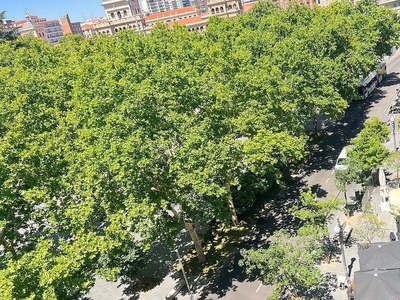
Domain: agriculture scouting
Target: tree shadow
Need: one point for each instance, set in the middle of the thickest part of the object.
(318, 190)
(322, 292)
(324, 155)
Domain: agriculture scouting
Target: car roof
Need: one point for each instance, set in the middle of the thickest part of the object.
(343, 153)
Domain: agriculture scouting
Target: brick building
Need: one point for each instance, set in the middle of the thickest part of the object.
(70, 27)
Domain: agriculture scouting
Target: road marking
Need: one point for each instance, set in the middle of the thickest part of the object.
(327, 180)
(259, 287)
(333, 171)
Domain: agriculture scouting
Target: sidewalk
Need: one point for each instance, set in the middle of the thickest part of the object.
(379, 208)
(161, 271)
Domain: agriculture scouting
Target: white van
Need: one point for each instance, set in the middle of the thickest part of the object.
(341, 162)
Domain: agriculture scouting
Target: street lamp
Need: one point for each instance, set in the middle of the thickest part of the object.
(134, 13)
(393, 122)
(183, 271)
(339, 230)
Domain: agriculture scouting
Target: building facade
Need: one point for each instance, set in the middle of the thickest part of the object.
(48, 30)
(193, 18)
(120, 15)
(53, 31)
(120, 9)
(393, 4)
(69, 27)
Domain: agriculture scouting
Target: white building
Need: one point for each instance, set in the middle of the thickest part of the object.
(121, 9)
(53, 31)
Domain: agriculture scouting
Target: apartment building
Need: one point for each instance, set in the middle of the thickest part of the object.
(53, 31)
(40, 27)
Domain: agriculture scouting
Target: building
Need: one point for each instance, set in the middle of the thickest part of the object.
(88, 26)
(393, 4)
(379, 275)
(48, 30)
(309, 3)
(121, 9)
(157, 6)
(68, 27)
(53, 31)
(120, 15)
(191, 17)
(189, 14)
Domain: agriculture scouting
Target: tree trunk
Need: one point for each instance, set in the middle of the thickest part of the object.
(194, 236)
(196, 241)
(8, 247)
(231, 205)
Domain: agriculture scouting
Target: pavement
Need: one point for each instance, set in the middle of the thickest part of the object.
(380, 209)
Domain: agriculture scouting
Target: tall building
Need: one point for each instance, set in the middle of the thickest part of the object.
(121, 9)
(68, 27)
(157, 6)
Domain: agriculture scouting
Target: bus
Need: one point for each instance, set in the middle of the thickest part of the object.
(369, 83)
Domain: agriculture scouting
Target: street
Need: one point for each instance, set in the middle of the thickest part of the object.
(232, 282)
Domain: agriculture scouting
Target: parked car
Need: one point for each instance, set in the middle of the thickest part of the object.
(341, 162)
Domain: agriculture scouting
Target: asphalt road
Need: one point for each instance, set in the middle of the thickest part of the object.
(232, 282)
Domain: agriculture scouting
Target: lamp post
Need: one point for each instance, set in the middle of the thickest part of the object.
(339, 230)
(183, 271)
(393, 122)
(133, 12)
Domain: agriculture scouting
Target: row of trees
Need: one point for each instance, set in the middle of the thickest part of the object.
(312, 243)
(110, 136)
(276, 264)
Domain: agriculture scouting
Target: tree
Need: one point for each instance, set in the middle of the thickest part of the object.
(276, 266)
(344, 177)
(109, 136)
(367, 227)
(385, 22)
(6, 34)
(315, 213)
(393, 162)
(369, 152)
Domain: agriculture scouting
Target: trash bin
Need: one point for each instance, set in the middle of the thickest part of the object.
(392, 236)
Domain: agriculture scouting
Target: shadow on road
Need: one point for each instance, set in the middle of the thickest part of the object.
(277, 217)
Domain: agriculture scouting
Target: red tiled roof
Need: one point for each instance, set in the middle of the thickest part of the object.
(87, 26)
(20, 22)
(248, 6)
(170, 13)
(187, 21)
(49, 21)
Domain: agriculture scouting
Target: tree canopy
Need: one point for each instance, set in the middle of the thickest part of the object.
(106, 139)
